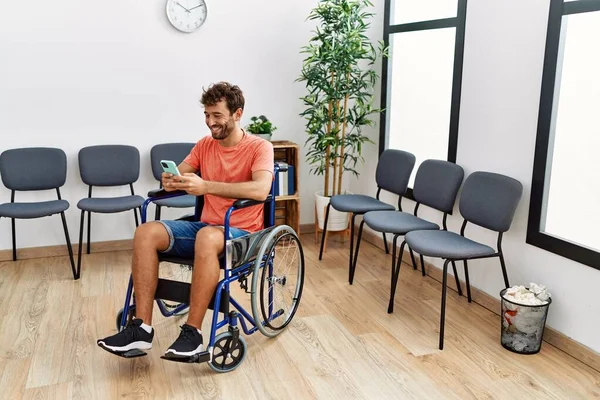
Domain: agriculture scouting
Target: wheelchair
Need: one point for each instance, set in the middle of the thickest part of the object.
(252, 261)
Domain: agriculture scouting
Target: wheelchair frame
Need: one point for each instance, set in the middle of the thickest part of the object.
(179, 291)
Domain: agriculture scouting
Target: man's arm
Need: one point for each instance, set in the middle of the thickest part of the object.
(256, 189)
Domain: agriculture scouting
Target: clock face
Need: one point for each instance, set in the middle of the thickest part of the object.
(186, 15)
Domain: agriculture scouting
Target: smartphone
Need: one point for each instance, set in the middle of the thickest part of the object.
(170, 167)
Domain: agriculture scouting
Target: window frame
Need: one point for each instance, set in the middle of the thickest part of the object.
(535, 237)
(457, 22)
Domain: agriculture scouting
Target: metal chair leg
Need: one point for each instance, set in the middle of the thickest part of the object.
(137, 222)
(467, 280)
(395, 275)
(81, 222)
(69, 247)
(157, 213)
(443, 307)
(350, 274)
(89, 231)
(458, 288)
(412, 257)
(422, 264)
(14, 239)
(504, 274)
(360, 230)
(385, 245)
(324, 231)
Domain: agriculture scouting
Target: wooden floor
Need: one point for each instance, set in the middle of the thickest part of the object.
(341, 344)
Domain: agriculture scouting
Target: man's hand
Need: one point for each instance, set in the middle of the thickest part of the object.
(191, 183)
(167, 180)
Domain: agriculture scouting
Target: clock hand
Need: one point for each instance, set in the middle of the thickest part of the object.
(183, 7)
(200, 5)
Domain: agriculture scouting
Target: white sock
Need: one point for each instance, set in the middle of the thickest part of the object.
(147, 328)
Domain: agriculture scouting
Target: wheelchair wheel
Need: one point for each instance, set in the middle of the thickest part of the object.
(129, 317)
(226, 356)
(277, 281)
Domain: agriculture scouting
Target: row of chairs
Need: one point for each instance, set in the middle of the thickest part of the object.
(488, 200)
(45, 168)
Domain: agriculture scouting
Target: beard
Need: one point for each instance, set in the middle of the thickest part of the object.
(221, 131)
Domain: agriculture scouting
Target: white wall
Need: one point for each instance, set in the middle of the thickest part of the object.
(504, 52)
(77, 73)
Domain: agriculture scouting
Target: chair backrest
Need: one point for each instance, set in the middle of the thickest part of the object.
(393, 170)
(176, 152)
(109, 165)
(437, 183)
(33, 168)
(490, 200)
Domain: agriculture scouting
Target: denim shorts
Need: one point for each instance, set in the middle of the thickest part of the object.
(182, 236)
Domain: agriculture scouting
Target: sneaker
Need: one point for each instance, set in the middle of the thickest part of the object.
(132, 337)
(189, 343)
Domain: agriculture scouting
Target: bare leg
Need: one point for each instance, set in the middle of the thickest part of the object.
(209, 244)
(149, 238)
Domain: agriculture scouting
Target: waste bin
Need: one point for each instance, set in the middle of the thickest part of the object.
(523, 325)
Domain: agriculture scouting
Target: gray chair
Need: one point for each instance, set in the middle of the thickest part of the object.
(34, 169)
(436, 186)
(107, 165)
(488, 200)
(392, 174)
(176, 152)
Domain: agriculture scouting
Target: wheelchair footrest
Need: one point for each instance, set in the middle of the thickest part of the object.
(125, 354)
(197, 358)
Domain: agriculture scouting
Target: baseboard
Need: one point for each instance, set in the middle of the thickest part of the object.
(61, 250)
(551, 336)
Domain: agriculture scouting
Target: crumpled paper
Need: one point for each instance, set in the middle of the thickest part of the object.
(536, 295)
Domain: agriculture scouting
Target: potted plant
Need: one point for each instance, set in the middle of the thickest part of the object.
(262, 127)
(340, 82)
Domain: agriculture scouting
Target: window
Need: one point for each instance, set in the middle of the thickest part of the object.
(564, 212)
(422, 77)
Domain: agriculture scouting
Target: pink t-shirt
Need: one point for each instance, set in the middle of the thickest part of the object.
(230, 165)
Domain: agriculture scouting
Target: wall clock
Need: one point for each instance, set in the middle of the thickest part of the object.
(186, 15)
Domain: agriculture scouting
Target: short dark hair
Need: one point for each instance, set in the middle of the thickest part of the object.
(216, 92)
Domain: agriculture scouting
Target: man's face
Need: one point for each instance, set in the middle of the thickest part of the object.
(220, 121)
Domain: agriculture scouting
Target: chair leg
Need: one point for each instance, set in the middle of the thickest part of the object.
(14, 239)
(89, 231)
(467, 280)
(351, 249)
(458, 288)
(396, 263)
(422, 264)
(443, 307)
(387, 251)
(324, 231)
(504, 274)
(360, 229)
(412, 257)
(81, 222)
(137, 222)
(69, 247)
(157, 214)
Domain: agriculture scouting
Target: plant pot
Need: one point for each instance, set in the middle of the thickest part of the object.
(266, 136)
(337, 220)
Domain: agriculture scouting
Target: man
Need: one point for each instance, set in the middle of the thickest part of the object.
(233, 165)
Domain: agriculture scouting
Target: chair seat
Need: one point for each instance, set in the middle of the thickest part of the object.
(397, 222)
(33, 210)
(444, 244)
(177, 202)
(358, 203)
(110, 204)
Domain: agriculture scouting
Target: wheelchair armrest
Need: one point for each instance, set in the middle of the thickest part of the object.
(243, 203)
(158, 193)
